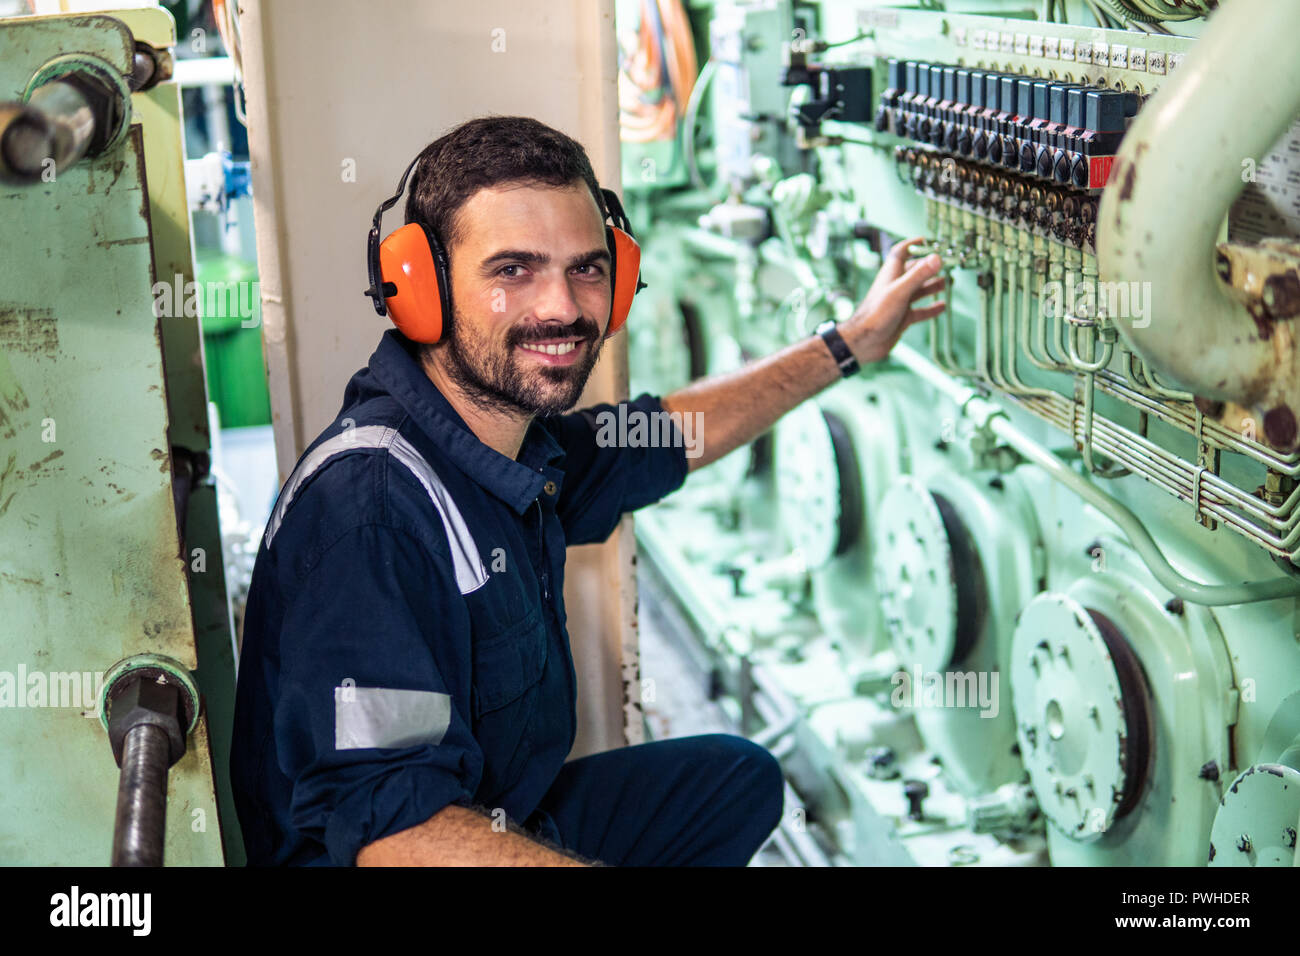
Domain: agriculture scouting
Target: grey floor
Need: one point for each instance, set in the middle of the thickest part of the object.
(681, 706)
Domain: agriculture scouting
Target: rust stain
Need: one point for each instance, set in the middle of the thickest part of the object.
(1263, 321)
(29, 331)
(21, 580)
(132, 241)
(1126, 186)
(1129, 173)
(1280, 427)
(37, 465)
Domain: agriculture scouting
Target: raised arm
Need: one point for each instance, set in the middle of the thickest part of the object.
(740, 406)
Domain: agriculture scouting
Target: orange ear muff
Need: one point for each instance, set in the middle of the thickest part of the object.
(414, 282)
(626, 275)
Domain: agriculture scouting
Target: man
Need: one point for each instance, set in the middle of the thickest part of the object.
(406, 689)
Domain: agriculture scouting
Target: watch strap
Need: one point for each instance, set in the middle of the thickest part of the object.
(840, 350)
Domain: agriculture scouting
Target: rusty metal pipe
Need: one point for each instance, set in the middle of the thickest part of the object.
(1160, 217)
(47, 134)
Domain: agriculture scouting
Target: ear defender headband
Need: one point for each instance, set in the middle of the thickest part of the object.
(410, 279)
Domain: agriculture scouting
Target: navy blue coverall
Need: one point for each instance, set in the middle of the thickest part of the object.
(405, 649)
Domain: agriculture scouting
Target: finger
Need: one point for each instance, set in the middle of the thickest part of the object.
(933, 287)
(901, 252)
(919, 271)
(925, 313)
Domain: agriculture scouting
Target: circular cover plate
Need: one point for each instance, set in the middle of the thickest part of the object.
(1257, 819)
(1070, 717)
(914, 574)
(808, 484)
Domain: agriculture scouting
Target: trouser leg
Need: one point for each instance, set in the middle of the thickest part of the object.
(710, 800)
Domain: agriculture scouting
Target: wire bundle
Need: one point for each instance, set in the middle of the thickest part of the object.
(1153, 11)
(226, 15)
(656, 78)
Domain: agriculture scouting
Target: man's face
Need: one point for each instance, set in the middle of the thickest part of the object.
(531, 295)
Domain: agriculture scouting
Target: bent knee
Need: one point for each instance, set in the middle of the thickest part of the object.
(757, 773)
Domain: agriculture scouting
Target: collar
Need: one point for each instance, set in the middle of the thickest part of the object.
(516, 482)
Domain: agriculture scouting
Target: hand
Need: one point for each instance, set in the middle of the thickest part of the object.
(887, 311)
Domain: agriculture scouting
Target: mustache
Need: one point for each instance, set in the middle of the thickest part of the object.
(581, 327)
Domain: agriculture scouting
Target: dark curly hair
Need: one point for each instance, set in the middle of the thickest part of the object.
(484, 152)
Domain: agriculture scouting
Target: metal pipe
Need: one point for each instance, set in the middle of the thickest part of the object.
(1030, 306)
(982, 333)
(1175, 476)
(996, 420)
(1179, 417)
(1017, 317)
(997, 305)
(1159, 221)
(140, 825)
(1040, 323)
(1056, 269)
(149, 705)
(47, 134)
(1048, 254)
(800, 839)
(205, 71)
(1010, 302)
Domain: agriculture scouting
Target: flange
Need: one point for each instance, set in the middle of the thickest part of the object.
(819, 490)
(928, 574)
(1083, 715)
(1257, 819)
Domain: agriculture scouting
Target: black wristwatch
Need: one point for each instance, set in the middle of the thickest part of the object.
(840, 350)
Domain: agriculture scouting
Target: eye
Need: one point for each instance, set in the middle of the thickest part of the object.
(505, 273)
(592, 269)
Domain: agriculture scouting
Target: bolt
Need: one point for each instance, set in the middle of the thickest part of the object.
(717, 685)
(1210, 771)
(735, 574)
(915, 791)
(1175, 606)
(882, 763)
(1243, 844)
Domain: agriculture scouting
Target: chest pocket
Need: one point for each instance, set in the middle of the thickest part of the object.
(507, 690)
(507, 665)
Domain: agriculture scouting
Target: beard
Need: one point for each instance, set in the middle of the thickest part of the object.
(496, 377)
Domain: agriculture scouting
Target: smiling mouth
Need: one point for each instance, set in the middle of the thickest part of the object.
(551, 348)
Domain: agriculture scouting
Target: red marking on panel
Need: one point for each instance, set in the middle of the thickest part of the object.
(1099, 171)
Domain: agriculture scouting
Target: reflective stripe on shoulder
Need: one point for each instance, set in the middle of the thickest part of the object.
(466, 561)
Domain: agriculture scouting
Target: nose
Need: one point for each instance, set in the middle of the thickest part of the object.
(555, 300)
